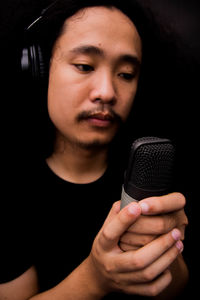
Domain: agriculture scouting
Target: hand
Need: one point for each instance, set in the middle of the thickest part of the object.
(159, 216)
(143, 271)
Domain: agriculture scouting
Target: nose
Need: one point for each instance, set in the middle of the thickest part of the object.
(103, 89)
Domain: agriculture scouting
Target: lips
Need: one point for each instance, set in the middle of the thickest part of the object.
(100, 119)
(104, 116)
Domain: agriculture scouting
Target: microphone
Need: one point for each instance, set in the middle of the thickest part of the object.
(150, 169)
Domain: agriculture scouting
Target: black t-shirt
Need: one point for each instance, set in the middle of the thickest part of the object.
(54, 225)
(51, 223)
(68, 217)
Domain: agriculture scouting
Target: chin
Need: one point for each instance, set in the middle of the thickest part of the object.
(93, 143)
(95, 136)
(100, 139)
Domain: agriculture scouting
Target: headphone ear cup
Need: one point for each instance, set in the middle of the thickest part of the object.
(32, 62)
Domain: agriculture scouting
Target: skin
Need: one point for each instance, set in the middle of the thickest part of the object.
(100, 78)
(160, 214)
(101, 82)
(93, 81)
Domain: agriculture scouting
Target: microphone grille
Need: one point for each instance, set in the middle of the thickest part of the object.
(152, 164)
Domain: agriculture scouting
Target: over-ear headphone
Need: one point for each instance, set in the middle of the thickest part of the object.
(33, 63)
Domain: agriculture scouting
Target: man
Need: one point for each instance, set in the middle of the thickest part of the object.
(93, 79)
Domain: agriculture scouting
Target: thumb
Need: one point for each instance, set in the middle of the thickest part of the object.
(114, 227)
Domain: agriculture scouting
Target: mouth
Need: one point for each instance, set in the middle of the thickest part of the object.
(101, 119)
(103, 116)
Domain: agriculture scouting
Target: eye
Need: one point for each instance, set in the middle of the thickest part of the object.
(127, 76)
(84, 68)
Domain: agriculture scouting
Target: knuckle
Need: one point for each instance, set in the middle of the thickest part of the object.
(153, 290)
(161, 225)
(181, 198)
(108, 268)
(157, 286)
(148, 275)
(137, 262)
(106, 234)
(182, 229)
(186, 221)
(180, 218)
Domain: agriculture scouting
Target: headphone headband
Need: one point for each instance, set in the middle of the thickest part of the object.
(42, 14)
(32, 59)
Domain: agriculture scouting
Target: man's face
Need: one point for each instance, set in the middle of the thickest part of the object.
(93, 76)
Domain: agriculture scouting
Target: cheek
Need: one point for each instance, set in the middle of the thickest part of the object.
(126, 110)
(59, 83)
(65, 87)
(61, 93)
(126, 103)
(59, 108)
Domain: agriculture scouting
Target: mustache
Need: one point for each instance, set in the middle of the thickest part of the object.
(106, 114)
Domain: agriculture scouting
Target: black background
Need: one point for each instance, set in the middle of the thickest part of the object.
(174, 111)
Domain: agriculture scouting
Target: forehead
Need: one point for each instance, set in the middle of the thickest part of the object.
(104, 27)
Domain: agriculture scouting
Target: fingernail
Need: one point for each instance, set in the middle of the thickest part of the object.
(133, 209)
(145, 207)
(176, 234)
(180, 246)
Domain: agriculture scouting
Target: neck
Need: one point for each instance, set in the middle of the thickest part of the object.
(78, 164)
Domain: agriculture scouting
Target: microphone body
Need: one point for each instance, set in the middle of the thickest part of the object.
(150, 169)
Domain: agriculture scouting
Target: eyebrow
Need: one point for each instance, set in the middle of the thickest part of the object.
(132, 59)
(87, 49)
(93, 50)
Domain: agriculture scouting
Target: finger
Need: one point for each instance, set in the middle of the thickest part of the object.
(157, 225)
(152, 288)
(160, 265)
(113, 212)
(163, 204)
(181, 222)
(145, 256)
(126, 247)
(115, 226)
(129, 239)
(154, 225)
